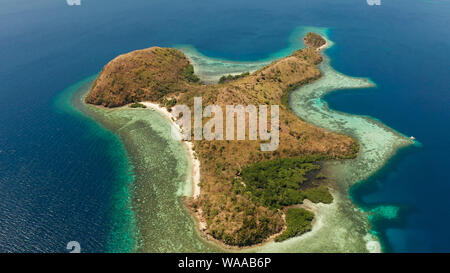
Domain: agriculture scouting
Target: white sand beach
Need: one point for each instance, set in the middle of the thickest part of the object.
(195, 163)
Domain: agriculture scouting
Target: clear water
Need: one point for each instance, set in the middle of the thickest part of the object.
(160, 180)
(61, 174)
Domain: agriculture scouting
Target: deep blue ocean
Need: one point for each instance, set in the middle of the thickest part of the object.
(57, 180)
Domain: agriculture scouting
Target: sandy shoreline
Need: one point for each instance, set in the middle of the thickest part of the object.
(320, 210)
(195, 172)
(328, 233)
(373, 246)
(195, 163)
(195, 182)
(324, 46)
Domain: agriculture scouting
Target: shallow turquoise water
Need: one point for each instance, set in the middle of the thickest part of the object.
(56, 173)
(210, 69)
(122, 231)
(161, 168)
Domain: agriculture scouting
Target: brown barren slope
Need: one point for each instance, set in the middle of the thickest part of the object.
(314, 40)
(159, 75)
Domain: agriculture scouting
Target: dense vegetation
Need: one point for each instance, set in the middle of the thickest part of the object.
(229, 78)
(278, 183)
(319, 194)
(189, 74)
(238, 206)
(298, 222)
(283, 182)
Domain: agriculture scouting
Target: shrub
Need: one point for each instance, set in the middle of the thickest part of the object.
(229, 78)
(278, 183)
(319, 194)
(189, 74)
(298, 222)
(137, 105)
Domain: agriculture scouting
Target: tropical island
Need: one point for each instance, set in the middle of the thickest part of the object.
(247, 196)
